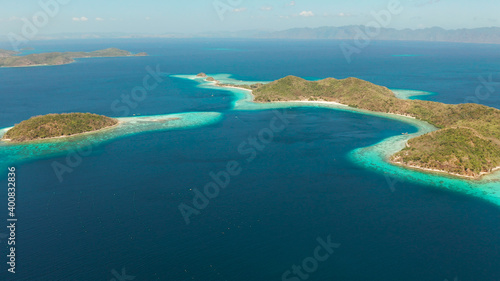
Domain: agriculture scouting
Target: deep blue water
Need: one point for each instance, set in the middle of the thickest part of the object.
(119, 207)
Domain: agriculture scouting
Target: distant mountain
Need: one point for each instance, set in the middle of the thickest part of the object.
(489, 35)
(6, 53)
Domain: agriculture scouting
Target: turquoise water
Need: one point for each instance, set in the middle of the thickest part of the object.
(374, 157)
(13, 154)
(410, 94)
(116, 206)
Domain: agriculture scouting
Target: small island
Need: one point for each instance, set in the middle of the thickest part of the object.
(57, 125)
(466, 144)
(9, 58)
(7, 53)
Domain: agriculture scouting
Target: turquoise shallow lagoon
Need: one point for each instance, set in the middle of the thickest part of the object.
(13, 154)
(372, 157)
(410, 94)
(117, 208)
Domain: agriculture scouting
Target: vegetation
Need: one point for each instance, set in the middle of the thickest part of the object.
(6, 53)
(57, 125)
(245, 86)
(468, 144)
(58, 58)
(455, 150)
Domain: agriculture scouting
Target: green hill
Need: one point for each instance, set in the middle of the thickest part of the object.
(463, 118)
(455, 150)
(6, 53)
(57, 125)
(58, 58)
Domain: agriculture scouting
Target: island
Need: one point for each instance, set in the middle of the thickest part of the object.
(7, 53)
(466, 144)
(8, 59)
(56, 126)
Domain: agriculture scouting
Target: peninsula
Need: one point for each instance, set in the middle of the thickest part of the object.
(7, 53)
(9, 58)
(57, 125)
(467, 143)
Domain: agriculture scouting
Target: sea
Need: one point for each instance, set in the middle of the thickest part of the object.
(291, 204)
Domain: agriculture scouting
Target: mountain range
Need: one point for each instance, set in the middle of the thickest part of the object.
(485, 35)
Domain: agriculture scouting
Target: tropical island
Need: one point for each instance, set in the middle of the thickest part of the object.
(467, 143)
(57, 125)
(7, 53)
(10, 59)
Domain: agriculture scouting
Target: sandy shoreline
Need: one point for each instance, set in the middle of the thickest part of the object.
(65, 136)
(217, 84)
(445, 172)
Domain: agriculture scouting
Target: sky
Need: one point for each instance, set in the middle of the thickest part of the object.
(195, 16)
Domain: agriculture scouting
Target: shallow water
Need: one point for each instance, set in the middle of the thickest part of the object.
(118, 207)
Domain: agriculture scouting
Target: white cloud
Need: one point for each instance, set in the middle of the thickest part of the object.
(11, 19)
(80, 19)
(291, 3)
(99, 19)
(307, 14)
(339, 15)
(148, 18)
(266, 8)
(238, 10)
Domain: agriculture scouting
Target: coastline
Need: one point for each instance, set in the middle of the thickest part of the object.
(73, 60)
(9, 141)
(445, 172)
(336, 105)
(15, 153)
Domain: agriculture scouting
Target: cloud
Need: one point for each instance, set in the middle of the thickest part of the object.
(266, 8)
(148, 18)
(80, 19)
(13, 18)
(99, 19)
(239, 10)
(291, 3)
(339, 15)
(306, 14)
(344, 15)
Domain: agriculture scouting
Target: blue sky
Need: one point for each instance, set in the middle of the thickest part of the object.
(165, 16)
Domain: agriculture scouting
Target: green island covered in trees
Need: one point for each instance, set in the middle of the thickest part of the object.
(467, 143)
(57, 125)
(11, 59)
